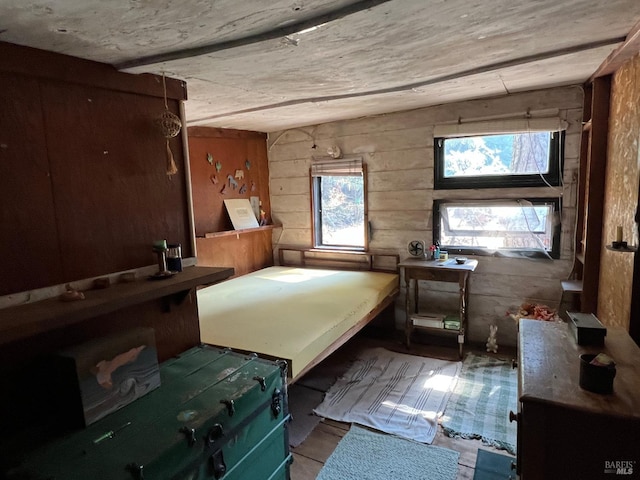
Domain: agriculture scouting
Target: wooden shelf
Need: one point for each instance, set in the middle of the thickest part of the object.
(625, 249)
(572, 286)
(34, 318)
(229, 233)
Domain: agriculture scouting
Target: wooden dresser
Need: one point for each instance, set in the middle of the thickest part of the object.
(566, 432)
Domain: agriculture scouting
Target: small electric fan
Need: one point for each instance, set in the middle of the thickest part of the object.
(416, 248)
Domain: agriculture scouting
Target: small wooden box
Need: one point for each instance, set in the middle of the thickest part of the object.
(103, 375)
(587, 329)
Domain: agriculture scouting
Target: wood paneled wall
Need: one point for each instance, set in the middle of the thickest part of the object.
(621, 195)
(244, 251)
(398, 150)
(83, 188)
(83, 192)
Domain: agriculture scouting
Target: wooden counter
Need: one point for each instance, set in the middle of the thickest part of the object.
(34, 318)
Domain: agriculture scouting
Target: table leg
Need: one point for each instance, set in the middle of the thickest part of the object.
(407, 306)
(462, 282)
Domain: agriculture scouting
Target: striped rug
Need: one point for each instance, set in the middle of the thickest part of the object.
(395, 393)
(480, 404)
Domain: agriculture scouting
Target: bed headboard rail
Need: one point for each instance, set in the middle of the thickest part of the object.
(339, 259)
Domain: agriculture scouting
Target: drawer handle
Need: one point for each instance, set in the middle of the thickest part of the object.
(513, 417)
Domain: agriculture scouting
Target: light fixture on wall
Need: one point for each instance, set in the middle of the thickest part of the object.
(334, 152)
(170, 126)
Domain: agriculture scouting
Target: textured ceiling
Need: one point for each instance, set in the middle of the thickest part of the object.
(248, 65)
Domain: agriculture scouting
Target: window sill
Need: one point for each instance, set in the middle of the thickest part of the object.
(528, 254)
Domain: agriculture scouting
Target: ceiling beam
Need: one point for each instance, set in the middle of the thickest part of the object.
(276, 33)
(620, 55)
(443, 78)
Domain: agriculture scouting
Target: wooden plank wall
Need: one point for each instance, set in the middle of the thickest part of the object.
(83, 188)
(398, 150)
(621, 195)
(244, 251)
(83, 192)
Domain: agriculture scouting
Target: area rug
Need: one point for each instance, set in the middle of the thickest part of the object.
(395, 393)
(366, 455)
(302, 401)
(493, 466)
(479, 406)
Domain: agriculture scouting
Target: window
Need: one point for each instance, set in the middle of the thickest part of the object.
(504, 227)
(524, 159)
(338, 189)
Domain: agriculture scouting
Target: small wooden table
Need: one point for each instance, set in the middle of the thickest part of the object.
(447, 271)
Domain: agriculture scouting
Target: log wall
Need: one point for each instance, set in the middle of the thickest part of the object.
(398, 150)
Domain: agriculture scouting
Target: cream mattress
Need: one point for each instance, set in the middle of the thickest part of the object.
(289, 313)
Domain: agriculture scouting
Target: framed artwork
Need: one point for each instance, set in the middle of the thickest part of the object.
(241, 213)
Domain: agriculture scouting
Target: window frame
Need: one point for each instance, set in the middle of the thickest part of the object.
(554, 253)
(316, 214)
(553, 178)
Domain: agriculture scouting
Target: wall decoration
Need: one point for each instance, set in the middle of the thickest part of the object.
(232, 182)
(255, 206)
(218, 166)
(243, 155)
(209, 158)
(169, 125)
(104, 368)
(224, 190)
(214, 179)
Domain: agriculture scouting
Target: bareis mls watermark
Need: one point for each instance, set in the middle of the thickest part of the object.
(619, 467)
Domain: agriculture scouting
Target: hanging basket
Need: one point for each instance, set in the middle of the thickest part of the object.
(169, 124)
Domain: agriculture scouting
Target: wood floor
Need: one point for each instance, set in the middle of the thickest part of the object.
(309, 456)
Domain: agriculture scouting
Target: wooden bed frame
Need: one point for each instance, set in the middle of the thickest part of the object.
(344, 260)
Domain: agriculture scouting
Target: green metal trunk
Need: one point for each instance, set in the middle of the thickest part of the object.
(217, 415)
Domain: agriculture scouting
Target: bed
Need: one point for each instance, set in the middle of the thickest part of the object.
(302, 310)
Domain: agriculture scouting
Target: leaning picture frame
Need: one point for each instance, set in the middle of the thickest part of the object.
(241, 213)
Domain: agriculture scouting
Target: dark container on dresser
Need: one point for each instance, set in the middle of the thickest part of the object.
(564, 431)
